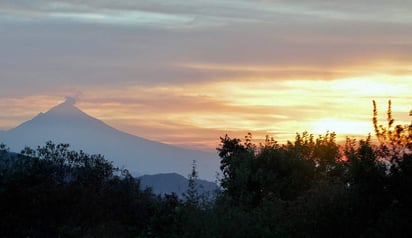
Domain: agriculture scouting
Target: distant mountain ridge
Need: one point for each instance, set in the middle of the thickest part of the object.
(176, 183)
(159, 183)
(65, 123)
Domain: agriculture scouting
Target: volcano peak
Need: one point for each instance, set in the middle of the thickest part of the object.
(70, 101)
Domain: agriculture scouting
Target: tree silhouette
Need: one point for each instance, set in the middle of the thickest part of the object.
(309, 187)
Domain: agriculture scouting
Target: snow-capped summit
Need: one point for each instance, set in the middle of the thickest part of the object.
(65, 123)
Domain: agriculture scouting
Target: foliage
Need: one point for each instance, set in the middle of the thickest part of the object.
(313, 187)
(192, 196)
(309, 187)
(53, 191)
(394, 141)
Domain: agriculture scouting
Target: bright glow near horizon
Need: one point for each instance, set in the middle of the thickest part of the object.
(186, 73)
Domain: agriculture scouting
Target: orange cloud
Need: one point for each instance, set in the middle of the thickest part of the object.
(195, 115)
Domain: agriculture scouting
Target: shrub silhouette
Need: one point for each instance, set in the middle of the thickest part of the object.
(309, 187)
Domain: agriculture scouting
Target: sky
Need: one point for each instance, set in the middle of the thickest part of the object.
(187, 72)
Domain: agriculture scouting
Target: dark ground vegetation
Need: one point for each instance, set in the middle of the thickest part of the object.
(311, 187)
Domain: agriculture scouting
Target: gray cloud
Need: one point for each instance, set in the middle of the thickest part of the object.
(235, 10)
(151, 61)
(48, 51)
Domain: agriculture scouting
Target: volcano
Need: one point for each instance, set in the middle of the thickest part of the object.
(65, 123)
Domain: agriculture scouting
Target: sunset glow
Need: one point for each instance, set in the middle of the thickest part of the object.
(186, 74)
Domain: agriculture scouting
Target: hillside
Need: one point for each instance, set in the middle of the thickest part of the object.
(65, 123)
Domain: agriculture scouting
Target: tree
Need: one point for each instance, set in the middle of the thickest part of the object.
(395, 141)
(192, 196)
(4, 148)
(53, 191)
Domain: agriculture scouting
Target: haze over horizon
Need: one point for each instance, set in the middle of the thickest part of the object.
(187, 72)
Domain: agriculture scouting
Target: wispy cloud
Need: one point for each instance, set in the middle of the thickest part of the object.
(187, 72)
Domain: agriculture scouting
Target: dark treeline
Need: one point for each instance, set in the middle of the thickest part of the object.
(311, 187)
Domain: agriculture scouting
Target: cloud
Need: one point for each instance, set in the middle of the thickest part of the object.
(213, 12)
(206, 66)
(16, 110)
(56, 55)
